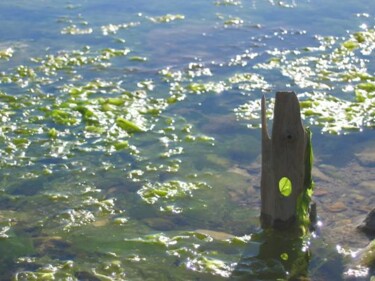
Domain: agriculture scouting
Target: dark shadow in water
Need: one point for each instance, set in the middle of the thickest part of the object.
(280, 255)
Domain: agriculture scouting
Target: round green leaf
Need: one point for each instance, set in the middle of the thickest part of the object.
(285, 186)
(284, 256)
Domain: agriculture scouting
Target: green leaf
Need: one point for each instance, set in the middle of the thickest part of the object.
(368, 87)
(138, 58)
(284, 256)
(121, 145)
(62, 117)
(6, 54)
(233, 21)
(285, 186)
(167, 18)
(128, 126)
(115, 101)
(196, 88)
(94, 129)
(350, 45)
(359, 96)
(360, 37)
(52, 133)
(88, 115)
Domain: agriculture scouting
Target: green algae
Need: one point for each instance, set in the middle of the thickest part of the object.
(368, 255)
(151, 193)
(334, 66)
(138, 58)
(167, 18)
(74, 30)
(249, 82)
(114, 28)
(228, 3)
(350, 45)
(74, 105)
(6, 54)
(128, 126)
(234, 21)
(210, 87)
(71, 270)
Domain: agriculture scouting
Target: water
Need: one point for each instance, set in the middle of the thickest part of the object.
(130, 141)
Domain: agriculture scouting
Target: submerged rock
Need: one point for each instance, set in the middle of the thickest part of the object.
(368, 225)
(362, 265)
(367, 257)
(159, 223)
(367, 156)
(364, 260)
(337, 207)
(216, 235)
(86, 276)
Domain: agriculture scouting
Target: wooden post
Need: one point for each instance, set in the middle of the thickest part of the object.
(284, 160)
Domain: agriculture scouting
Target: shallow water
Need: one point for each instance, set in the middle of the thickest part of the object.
(130, 141)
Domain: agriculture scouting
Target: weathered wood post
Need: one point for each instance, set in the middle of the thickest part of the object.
(286, 185)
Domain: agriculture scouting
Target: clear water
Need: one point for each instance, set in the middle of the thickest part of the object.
(126, 147)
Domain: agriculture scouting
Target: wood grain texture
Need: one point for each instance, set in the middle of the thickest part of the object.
(283, 155)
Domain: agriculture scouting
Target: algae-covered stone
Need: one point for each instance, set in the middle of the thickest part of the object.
(368, 225)
(368, 255)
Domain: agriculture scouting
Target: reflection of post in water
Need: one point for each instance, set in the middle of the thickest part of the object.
(286, 190)
(273, 255)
